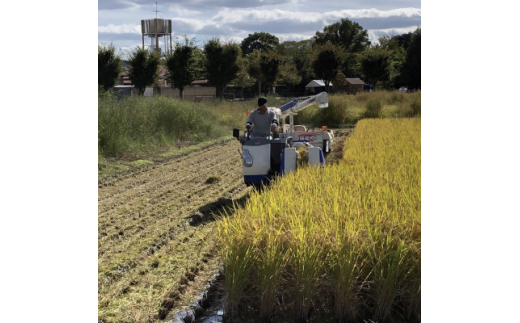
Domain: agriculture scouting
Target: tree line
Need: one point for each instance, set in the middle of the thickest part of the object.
(260, 61)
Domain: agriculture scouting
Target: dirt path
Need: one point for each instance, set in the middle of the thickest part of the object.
(156, 231)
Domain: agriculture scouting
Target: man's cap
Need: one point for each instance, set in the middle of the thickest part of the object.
(262, 101)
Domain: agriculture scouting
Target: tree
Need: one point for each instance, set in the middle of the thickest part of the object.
(350, 36)
(398, 56)
(221, 63)
(109, 66)
(270, 68)
(143, 68)
(299, 55)
(243, 79)
(265, 67)
(347, 34)
(182, 65)
(259, 41)
(253, 67)
(411, 72)
(340, 80)
(289, 74)
(327, 62)
(404, 40)
(375, 64)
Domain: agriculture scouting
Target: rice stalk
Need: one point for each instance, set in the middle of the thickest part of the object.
(270, 269)
(352, 229)
(306, 268)
(345, 272)
(238, 258)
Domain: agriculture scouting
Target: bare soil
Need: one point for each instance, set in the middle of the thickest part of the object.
(156, 230)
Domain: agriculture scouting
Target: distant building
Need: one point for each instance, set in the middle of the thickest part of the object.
(162, 73)
(316, 86)
(125, 80)
(122, 90)
(198, 90)
(354, 85)
(204, 82)
(163, 76)
(129, 90)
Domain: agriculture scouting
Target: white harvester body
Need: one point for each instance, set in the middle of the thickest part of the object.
(268, 156)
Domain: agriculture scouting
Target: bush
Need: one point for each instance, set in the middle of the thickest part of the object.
(336, 114)
(373, 108)
(140, 124)
(396, 97)
(415, 107)
(364, 96)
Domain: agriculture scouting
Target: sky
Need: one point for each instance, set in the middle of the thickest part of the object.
(119, 21)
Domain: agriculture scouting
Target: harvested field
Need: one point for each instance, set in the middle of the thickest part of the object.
(156, 231)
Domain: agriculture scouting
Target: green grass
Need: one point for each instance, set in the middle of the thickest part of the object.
(143, 125)
(142, 162)
(346, 110)
(146, 124)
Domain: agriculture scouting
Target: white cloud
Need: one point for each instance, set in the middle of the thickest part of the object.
(230, 24)
(262, 16)
(293, 37)
(189, 23)
(120, 29)
(373, 13)
(235, 39)
(179, 11)
(116, 5)
(288, 25)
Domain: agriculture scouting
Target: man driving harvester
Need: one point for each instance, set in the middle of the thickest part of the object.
(262, 120)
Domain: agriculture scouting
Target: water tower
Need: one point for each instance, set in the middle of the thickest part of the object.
(156, 28)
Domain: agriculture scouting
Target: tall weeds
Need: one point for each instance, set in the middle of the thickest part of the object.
(373, 108)
(140, 124)
(349, 109)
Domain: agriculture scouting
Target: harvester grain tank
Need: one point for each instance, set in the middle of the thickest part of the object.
(264, 157)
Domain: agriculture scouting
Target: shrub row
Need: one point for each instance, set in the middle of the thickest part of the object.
(138, 124)
(349, 109)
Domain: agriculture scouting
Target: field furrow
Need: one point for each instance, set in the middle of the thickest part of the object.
(156, 232)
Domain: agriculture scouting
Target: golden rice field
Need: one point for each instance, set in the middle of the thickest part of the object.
(334, 244)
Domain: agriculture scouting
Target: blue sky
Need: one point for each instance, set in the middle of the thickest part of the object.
(119, 20)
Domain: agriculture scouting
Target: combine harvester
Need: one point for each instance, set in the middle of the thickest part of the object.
(266, 157)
